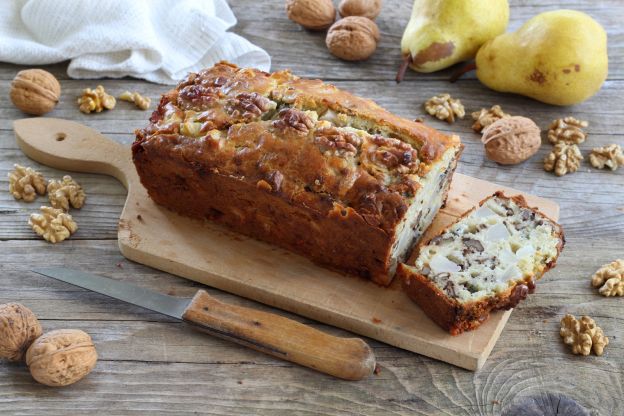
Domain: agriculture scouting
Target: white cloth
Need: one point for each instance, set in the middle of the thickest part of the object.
(156, 40)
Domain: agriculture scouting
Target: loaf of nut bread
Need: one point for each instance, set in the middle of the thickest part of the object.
(489, 259)
(297, 163)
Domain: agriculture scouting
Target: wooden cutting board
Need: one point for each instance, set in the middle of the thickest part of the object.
(210, 254)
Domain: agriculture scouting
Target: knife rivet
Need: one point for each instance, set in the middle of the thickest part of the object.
(60, 137)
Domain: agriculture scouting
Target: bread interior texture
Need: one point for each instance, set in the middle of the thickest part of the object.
(496, 246)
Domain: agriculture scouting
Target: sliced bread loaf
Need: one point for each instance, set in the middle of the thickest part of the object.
(489, 259)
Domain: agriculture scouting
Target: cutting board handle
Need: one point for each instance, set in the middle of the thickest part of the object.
(67, 145)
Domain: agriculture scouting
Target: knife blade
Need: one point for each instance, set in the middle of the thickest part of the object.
(275, 335)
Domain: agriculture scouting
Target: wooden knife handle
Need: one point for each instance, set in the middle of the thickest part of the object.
(346, 358)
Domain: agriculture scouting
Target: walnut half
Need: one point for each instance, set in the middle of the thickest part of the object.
(610, 156)
(95, 100)
(583, 336)
(54, 225)
(65, 192)
(139, 101)
(567, 130)
(444, 107)
(25, 183)
(564, 158)
(610, 279)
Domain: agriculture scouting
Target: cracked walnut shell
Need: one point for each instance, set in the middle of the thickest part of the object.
(365, 8)
(444, 107)
(25, 183)
(61, 357)
(583, 336)
(610, 279)
(511, 140)
(141, 102)
(95, 100)
(485, 117)
(610, 156)
(567, 130)
(563, 159)
(311, 14)
(19, 327)
(65, 192)
(353, 38)
(35, 91)
(54, 225)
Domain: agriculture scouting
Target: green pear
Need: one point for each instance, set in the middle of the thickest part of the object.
(557, 57)
(441, 33)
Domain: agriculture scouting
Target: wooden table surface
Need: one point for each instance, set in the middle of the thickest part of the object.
(152, 365)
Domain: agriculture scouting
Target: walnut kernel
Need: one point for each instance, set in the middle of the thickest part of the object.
(61, 357)
(35, 91)
(65, 192)
(564, 158)
(365, 8)
(511, 140)
(583, 336)
(95, 100)
(19, 327)
(25, 183)
(444, 107)
(485, 117)
(353, 38)
(567, 130)
(134, 97)
(610, 156)
(311, 14)
(610, 279)
(54, 225)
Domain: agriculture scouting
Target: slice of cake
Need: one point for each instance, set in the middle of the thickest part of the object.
(489, 259)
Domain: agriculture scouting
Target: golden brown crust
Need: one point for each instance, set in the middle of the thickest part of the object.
(339, 165)
(457, 317)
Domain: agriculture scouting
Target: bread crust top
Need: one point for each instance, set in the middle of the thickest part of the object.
(304, 140)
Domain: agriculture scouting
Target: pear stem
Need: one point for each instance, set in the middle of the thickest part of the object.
(407, 59)
(461, 71)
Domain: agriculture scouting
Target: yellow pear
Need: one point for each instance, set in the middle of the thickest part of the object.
(441, 33)
(557, 57)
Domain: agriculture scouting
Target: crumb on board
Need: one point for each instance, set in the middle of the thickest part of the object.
(375, 320)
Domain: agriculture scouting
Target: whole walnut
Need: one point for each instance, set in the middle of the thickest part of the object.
(364, 8)
(353, 38)
(35, 91)
(61, 357)
(19, 327)
(511, 140)
(311, 14)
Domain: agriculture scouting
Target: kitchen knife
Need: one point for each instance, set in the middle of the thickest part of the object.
(346, 358)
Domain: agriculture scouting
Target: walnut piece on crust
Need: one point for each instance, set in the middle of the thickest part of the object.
(25, 183)
(485, 117)
(610, 156)
(583, 336)
(65, 192)
(95, 100)
(61, 357)
(19, 327)
(567, 130)
(610, 279)
(139, 101)
(54, 225)
(564, 158)
(444, 107)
